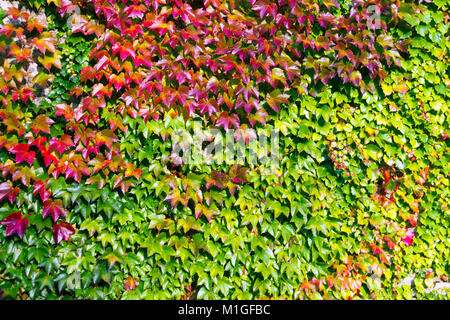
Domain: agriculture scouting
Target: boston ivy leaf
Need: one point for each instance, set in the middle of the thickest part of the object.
(62, 231)
(54, 208)
(238, 173)
(41, 123)
(15, 224)
(130, 284)
(40, 188)
(276, 98)
(22, 153)
(8, 191)
(226, 120)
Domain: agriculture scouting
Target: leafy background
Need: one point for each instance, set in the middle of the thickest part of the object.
(357, 205)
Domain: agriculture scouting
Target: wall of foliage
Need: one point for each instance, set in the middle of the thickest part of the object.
(94, 206)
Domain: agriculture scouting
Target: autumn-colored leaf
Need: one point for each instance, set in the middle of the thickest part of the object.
(96, 179)
(8, 191)
(245, 133)
(226, 120)
(264, 7)
(48, 62)
(15, 224)
(130, 284)
(238, 173)
(218, 179)
(54, 208)
(42, 78)
(106, 137)
(64, 110)
(275, 99)
(130, 171)
(408, 238)
(41, 123)
(20, 53)
(45, 42)
(22, 153)
(77, 91)
(36, 23)
(61, 144)
(40, 188)
(355, 77)
(15, 13)
(62, 231)
(175, 197)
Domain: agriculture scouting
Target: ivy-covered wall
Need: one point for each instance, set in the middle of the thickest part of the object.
(95, 205)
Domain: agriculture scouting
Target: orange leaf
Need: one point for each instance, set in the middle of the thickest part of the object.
(48, 62)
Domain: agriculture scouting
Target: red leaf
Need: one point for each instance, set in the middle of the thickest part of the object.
(87, 73)
(101, 63)
(77, 91)
(218, 179)
(100, 182)
(105, 137)
(78, 23)
(331, 3)
(39, 187)
(238, 173)
(7, 191)
(355, 77)
(325, 18)
(212, 84)
(38, 24)
(38, 142)
(62, 231)
(174, 197)
(23, 93)
(42, 123)
(117, 81)
(125, 185)
(15, 224)
(73, 171)
(22, 153)
(99, 163)
(49, 158)
(209, 106)
(64, 110)
(19, 53)
(65, 6)
(245, 133)
(55, 208)
(93, 27)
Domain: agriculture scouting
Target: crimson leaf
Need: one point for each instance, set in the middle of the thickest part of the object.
(15, 224)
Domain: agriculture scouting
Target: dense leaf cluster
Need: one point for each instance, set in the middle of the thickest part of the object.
(357, 89)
